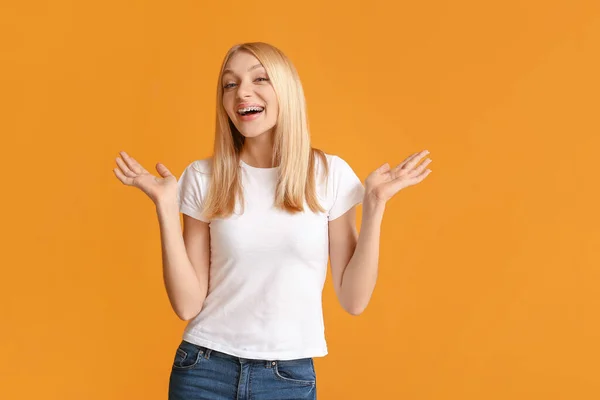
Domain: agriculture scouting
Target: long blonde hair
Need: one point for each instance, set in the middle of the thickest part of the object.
(292, 150)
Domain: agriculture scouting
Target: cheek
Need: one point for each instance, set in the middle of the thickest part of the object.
(271, 99)
(274, 108)
(228, 105)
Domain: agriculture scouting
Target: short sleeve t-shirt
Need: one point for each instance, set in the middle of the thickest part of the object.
(267, 266)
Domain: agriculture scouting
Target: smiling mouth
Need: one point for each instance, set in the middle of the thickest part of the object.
(250, 110)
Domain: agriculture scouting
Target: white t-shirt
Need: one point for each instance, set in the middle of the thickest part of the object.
(267, 267)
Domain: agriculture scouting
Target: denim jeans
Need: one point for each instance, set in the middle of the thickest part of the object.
(201, 373)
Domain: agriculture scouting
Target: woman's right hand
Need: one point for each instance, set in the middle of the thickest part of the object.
(161, 189)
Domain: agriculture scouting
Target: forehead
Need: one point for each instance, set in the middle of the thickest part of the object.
(240, 62)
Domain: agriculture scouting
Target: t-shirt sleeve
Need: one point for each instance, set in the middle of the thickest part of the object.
(190, 192)
(348, 189)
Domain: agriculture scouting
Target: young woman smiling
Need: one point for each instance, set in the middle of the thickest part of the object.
(262, 216)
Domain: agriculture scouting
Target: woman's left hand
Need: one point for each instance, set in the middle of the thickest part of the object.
(383, 183)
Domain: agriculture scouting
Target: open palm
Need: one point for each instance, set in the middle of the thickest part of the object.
(384, 183)
(161, 188)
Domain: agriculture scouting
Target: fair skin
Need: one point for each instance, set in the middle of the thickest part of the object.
(245, 82)
(354, 257)
(185, 255)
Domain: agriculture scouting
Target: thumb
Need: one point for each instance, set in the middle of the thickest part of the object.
(384, 168)
(163, 171)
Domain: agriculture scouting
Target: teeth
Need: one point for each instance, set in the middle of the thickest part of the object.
(248, 109)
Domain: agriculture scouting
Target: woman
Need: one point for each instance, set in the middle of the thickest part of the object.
(261, 218)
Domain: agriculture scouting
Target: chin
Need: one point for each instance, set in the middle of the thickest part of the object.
(252, 133)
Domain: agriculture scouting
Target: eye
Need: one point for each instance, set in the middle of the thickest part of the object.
(259, 79)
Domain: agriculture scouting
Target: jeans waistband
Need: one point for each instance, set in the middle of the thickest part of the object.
(208, 353)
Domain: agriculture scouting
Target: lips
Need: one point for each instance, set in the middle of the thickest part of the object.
(242, 105)
(247, 108)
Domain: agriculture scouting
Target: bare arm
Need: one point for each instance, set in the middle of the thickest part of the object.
(354, 257)
(185, 259)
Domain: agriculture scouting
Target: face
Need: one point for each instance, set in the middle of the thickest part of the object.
(248, 96)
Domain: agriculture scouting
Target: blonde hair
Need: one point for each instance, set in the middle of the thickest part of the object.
(292, 150)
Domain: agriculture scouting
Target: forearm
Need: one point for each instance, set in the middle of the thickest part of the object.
(361, 272)
(185, 291)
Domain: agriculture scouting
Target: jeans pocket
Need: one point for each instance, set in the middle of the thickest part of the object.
(187, 355)
(301, 371)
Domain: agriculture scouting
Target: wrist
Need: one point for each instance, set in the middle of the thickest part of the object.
(373, 206)
(166, 206)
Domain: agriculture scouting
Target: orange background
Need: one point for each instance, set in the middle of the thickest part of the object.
(489, 271)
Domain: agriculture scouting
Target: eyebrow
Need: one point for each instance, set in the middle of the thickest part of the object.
(249, 69)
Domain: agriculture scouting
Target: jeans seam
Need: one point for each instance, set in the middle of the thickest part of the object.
(198, 356)
(297, 381)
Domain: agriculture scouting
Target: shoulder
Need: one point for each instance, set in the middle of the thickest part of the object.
(329, 159)
(202, 167)
(196, 174)
(336, 164)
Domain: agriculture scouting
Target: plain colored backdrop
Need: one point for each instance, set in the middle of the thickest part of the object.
(489, 269)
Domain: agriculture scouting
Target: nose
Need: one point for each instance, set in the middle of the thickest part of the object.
(244, 90)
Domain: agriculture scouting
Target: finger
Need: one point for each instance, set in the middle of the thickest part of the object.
(125, 168)
(405, 181)
(403, 167)
(421, 176)
(411, 164)
(419, 169)
(124, 179)
(163, 171)
(403, 163)
(132, 163)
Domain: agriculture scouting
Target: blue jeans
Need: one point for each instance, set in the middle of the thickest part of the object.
(201, 373)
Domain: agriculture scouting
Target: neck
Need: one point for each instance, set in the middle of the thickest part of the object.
(258, 151)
